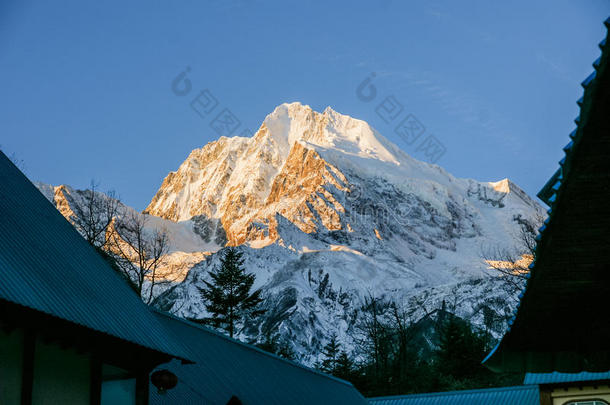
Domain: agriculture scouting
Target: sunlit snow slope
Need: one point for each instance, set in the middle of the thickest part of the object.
(328, 211)
(314, 196)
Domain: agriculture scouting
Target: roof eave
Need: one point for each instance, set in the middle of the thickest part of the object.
(503, 358)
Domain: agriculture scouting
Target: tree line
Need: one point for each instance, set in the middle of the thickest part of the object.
(137, 251)
(390, 356)
(387, 359)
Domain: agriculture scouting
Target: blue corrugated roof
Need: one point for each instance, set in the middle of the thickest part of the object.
(225, 367)
(518, 395)
(46, 265)
(556, 377)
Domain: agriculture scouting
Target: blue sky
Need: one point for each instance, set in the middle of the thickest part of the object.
(86, 88)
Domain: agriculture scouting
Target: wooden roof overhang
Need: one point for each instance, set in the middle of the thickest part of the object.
(563, 319)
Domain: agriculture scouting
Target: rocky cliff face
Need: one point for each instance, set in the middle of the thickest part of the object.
(247, 181)
(327, 211)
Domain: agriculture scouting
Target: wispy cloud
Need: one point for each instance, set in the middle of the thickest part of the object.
(556, 68)
(442, 14)
(460, 103)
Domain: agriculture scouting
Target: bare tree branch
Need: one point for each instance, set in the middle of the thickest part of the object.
(139, 252)
(93, 218)
(513, 265)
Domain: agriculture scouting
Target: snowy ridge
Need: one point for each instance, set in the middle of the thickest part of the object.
(190, 241)
(327, 211)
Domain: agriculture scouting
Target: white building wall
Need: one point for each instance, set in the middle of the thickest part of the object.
(562, 396)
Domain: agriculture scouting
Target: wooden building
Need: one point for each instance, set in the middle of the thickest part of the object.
(71, 330)
(563, 322)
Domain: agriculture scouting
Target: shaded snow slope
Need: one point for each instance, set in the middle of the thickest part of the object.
(327, 212)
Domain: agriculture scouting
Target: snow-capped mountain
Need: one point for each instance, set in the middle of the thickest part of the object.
(328, 211)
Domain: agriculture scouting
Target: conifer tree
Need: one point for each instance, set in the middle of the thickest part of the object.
(272, 344)
(460, 349)
(344, 366)
(285, 351)
(227, 294)
(331, 353)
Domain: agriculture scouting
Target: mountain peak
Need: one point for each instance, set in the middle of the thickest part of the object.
(300, 163)
(329, 111)
(503, 186)
(292, 108)
(327, 211)
(330, 130)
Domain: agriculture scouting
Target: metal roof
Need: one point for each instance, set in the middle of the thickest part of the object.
(47, 266)
(225, 367)
(548, 191)
(518, 395)
(556, 377)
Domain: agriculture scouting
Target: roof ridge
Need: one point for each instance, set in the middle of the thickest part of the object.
(250, 347)
(557, 377)
(458, 392)
(66, 259)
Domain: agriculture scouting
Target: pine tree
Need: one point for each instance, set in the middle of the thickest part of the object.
(227, 295)
(460, 350)
(285, 351)
(272, 344)
(344, 366)
(331, 353)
